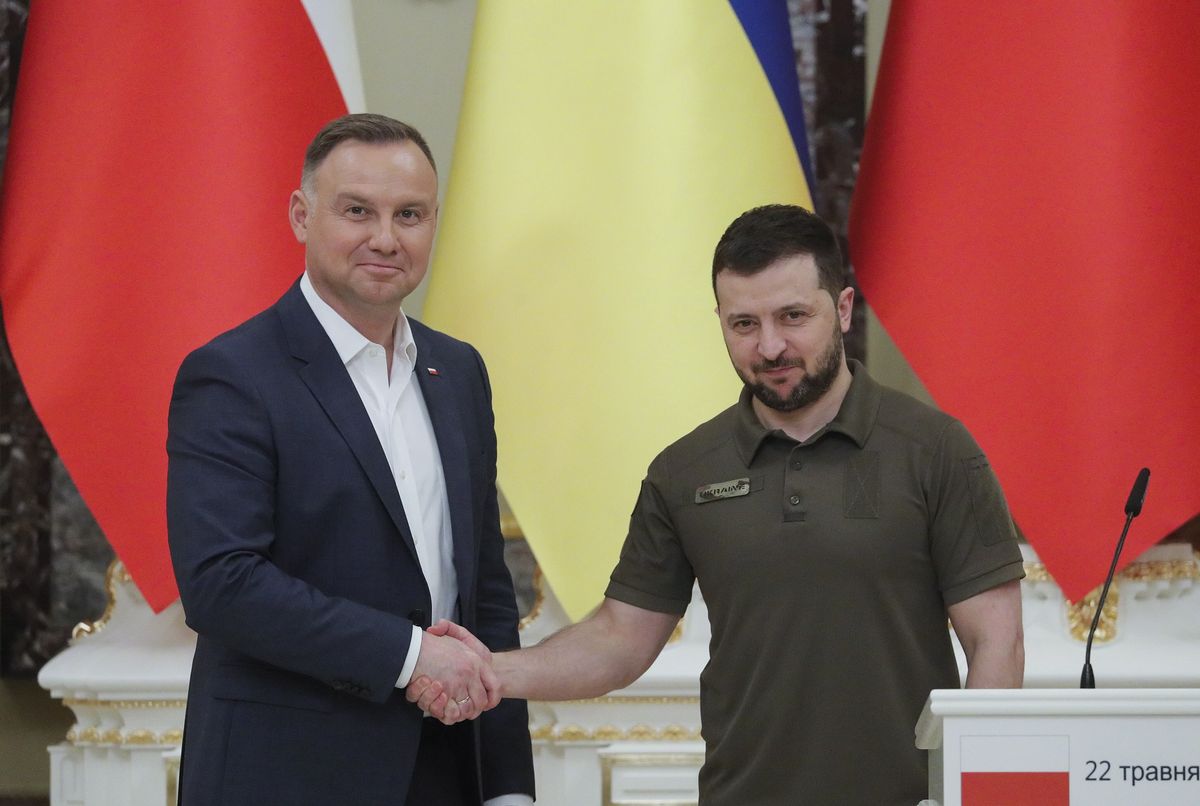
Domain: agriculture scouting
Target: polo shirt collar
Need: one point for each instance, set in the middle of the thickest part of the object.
(855, 418)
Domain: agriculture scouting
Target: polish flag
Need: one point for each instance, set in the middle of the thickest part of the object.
(153, 148)
(1003, 770)
(1026, 227)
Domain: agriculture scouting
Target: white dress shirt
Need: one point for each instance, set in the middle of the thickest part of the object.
(397, 410)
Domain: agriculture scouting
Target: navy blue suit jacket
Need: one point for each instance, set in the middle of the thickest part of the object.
(297, 569)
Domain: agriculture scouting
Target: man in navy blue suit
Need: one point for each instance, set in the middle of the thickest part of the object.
(331, 493)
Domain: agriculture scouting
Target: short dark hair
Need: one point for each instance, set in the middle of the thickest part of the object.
(759, 237)
(363, 128)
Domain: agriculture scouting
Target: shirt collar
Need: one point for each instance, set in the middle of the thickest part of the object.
(346, 340)
(855, 418)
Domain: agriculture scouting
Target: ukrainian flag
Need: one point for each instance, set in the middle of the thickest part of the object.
(603, 147)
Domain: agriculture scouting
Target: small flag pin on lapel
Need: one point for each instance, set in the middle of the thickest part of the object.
(432, 371)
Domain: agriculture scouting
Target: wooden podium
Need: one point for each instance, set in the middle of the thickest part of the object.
(1062, 747)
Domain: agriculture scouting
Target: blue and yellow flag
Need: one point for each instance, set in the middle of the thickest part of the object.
(603, 147)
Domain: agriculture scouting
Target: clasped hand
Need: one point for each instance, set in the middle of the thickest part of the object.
(453, 679)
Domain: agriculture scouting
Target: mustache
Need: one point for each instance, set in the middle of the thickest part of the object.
(778, 363)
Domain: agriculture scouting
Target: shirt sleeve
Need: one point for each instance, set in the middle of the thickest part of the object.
(972, 535)
(653, 572)
(509, 800)
(410, 661)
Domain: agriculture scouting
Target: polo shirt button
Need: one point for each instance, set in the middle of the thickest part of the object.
(797, 465)
(795, 499)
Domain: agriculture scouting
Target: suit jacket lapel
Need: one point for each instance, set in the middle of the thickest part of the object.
(326, 377)
(445, 413)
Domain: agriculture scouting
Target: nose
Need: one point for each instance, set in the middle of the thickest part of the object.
(383, 239)
(770, 342)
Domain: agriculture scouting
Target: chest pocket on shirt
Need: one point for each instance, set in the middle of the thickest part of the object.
(860, 490)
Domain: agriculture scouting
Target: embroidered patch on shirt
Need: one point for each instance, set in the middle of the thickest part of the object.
(722, 489)
(991, 518)
(860, 495)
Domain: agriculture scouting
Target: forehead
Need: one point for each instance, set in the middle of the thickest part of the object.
(355, 164)
(787, 281)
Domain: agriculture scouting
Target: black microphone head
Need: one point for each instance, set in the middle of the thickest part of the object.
(1137, 496)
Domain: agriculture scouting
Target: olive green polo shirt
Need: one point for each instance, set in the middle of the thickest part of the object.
(827, 567)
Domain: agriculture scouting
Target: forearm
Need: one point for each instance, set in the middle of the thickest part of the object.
(602, 653)
(574, 664)
(996, 664)
(990, 629)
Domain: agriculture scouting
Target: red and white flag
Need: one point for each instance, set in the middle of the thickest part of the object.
(1015, 770)
(153, 148)
(1027, 227)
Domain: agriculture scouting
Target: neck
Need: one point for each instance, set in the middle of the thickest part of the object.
(802, 423)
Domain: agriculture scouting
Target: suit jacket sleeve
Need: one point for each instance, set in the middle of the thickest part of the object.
(222, 491)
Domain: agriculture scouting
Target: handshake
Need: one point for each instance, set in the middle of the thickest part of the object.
(453, 679)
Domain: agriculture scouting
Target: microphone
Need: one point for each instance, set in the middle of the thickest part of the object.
(1133, 508)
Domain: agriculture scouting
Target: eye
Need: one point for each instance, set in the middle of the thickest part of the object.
(410, 215)
(794, 316)
(356, 210)
(742, 324)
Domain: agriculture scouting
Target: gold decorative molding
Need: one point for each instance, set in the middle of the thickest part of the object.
(141, 736)
(172, 781)
(1164, 570)
(1146, 571)
(677, 633)
(509, 528)
(1081, 614)
(1036, 572)
(76, 702)
(116, 575)
(611, 733)
(119, 738)
(628, 700)
(539, 599)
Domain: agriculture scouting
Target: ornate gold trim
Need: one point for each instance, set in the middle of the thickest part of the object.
(677, 633)
(628, 700)
(1164, 570)
(539, 598)
(611, 733)
(172, 781)
(116, 575)
(118, 738)
(1036, 572)
(141, 736)
(1147, 571)
(608, 763)
(75, 702)
(1080, 615)
(509, 528)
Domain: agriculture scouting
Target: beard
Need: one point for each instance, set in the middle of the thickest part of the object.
(812, 385)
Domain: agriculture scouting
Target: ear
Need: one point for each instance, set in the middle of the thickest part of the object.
(845, 306)
(298, 212)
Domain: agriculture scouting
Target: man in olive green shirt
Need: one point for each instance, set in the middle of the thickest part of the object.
(833, 525)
